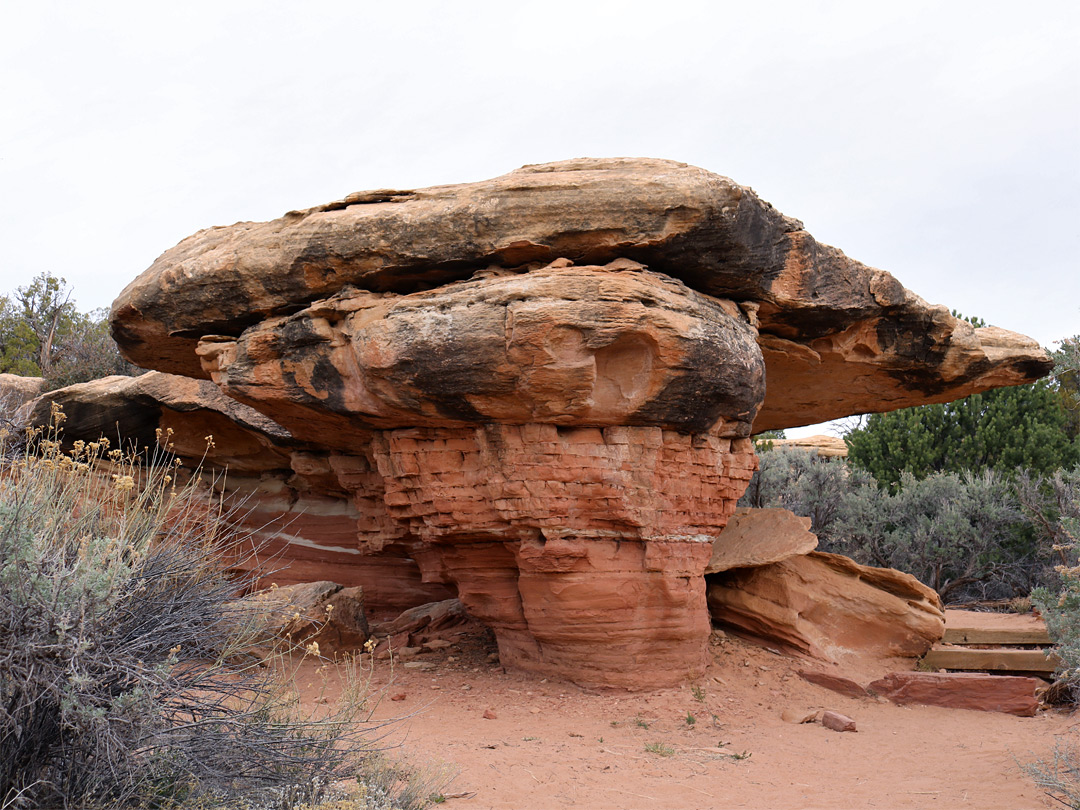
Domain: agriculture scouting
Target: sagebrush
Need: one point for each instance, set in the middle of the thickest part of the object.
(130, 673)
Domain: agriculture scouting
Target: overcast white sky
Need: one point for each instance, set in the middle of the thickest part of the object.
(937, 140)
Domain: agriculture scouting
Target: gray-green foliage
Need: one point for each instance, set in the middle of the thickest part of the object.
(961, 534)
(964, 534)
(1057, 502)
(804, 483)
(127, 674)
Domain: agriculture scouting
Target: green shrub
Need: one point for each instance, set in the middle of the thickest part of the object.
(963, 534)
(804, 483)
(126, 669)
(1056, 503)
(1059, 776)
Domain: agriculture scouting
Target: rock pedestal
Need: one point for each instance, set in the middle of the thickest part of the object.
(538, 389)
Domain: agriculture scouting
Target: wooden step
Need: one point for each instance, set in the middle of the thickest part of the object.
(1002, 659)
(1009, 636)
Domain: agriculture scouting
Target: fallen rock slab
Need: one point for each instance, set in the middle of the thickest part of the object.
(322, 612)
(760, 536)
(1010, 694)
(827, 606)
(429, 619)
(799, 716)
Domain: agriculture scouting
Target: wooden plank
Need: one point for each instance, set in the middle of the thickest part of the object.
(999, 660)
(1013, 636)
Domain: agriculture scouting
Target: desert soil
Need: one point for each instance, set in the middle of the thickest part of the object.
(521, 741)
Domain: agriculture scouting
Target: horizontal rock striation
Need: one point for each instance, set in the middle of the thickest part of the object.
(290, 501)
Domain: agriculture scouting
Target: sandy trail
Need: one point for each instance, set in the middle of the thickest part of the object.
(552, 744)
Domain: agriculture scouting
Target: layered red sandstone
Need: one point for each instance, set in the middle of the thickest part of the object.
(534, 390)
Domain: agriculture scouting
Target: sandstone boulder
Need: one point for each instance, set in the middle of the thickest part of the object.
(829, 607)
(597, 346)
(961, 690)
(16, 395)
(837, 722)
(16, 391)
(834, 683)
(760, 536)
(137, 410)
(425, 624)
(838, 337)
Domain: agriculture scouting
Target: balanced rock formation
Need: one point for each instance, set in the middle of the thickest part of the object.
(539, 389)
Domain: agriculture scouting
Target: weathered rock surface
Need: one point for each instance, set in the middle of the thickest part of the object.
(760, 536)
(16, 391)
(136, 408)
(537, 391)
(595, 346)
(837, 722)
(599, 611)
(838, 337)
(961, 690)
(565, 540)
(290, 500)
(827, 606)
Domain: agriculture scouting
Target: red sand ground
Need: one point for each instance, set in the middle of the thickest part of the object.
(551, 744)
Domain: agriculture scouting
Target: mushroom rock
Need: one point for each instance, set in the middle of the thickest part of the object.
(540, 387)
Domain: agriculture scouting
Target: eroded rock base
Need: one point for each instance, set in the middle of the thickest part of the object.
(596, 611)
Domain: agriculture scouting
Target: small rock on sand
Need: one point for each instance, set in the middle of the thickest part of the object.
(837, 721)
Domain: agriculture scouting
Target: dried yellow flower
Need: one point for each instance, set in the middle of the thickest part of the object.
(124, 483)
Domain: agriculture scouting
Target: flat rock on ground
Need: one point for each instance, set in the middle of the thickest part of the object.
(961, 690)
